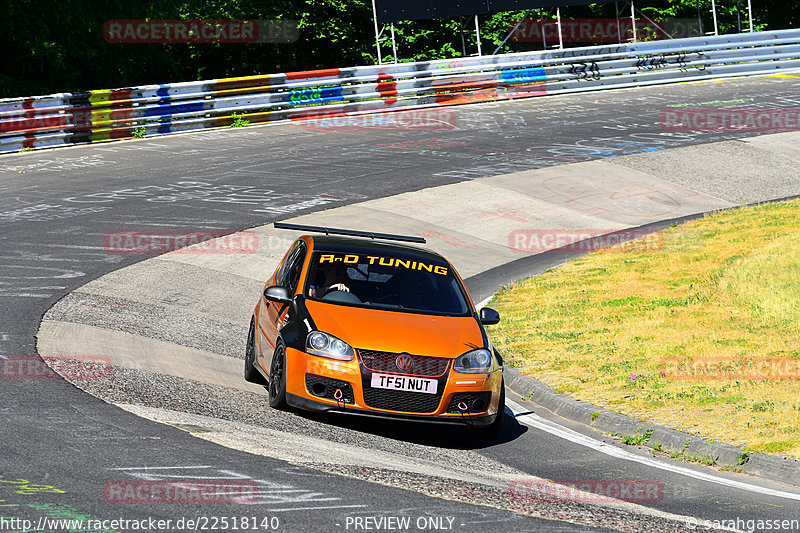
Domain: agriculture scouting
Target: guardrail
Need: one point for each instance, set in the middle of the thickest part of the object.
(72, 118)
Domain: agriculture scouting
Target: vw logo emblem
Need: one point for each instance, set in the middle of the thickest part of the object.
(404, 362)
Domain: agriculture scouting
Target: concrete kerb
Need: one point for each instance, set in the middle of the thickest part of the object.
(671, 440)
(766, 466)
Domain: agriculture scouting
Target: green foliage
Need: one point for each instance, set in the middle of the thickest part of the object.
(744, 458)
(138, 133)
(638, 439)
(62, 48)
(239, 121)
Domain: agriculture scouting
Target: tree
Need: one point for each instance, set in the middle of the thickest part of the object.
(60, 46)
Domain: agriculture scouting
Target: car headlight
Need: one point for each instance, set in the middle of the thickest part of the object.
(325, 345)
(474, 362)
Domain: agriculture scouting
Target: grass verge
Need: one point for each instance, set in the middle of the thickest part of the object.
(700, 333)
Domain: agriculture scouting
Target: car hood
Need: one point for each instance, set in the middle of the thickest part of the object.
(397, 332)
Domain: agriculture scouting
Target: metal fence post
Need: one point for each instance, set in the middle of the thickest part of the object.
(377, 34)
(478, 35)
(560, 37)
(714, 11)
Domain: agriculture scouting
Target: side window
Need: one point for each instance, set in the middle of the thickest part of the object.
(280, 271)
(283, 268)
(294, 266)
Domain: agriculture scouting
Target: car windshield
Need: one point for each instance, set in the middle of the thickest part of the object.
(395, 281)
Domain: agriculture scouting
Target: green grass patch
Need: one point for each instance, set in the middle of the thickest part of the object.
(690, 334)
(638, 439)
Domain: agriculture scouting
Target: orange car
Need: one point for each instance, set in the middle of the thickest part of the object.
(369, 327)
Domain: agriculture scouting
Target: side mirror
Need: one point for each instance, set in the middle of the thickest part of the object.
(279, 294)
(489, 316)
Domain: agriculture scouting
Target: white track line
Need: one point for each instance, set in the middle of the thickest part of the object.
(535, 421)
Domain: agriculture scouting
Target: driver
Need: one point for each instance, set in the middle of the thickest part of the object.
(333, 279)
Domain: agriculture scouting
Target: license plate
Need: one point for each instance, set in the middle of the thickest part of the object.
(405, 383)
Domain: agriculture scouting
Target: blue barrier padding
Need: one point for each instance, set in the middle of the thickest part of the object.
(171, 109)
(315, 95)
(523, 74)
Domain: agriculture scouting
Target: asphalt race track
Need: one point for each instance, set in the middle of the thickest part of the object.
(63, 450)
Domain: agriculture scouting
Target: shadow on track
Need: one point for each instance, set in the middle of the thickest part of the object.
(442, 436)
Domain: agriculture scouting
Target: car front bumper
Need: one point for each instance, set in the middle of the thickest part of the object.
(299, 364)
(478, 421)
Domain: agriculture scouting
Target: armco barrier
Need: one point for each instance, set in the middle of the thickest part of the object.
(71, 118)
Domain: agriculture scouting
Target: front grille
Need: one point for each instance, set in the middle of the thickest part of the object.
(396, 400)
(387, 362)
(323, 387)
(476, 402)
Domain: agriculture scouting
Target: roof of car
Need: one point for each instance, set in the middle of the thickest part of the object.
(329, 243)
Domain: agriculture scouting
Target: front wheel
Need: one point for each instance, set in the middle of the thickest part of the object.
(277, 379)
(494, 430)
(250, 373)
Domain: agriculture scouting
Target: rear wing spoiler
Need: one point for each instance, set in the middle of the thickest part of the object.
(350, 232)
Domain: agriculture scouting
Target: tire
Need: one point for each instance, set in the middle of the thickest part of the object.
(493, 431)
(250, 373)
(277, 379)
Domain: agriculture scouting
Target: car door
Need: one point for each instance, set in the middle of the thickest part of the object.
(273, 313)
